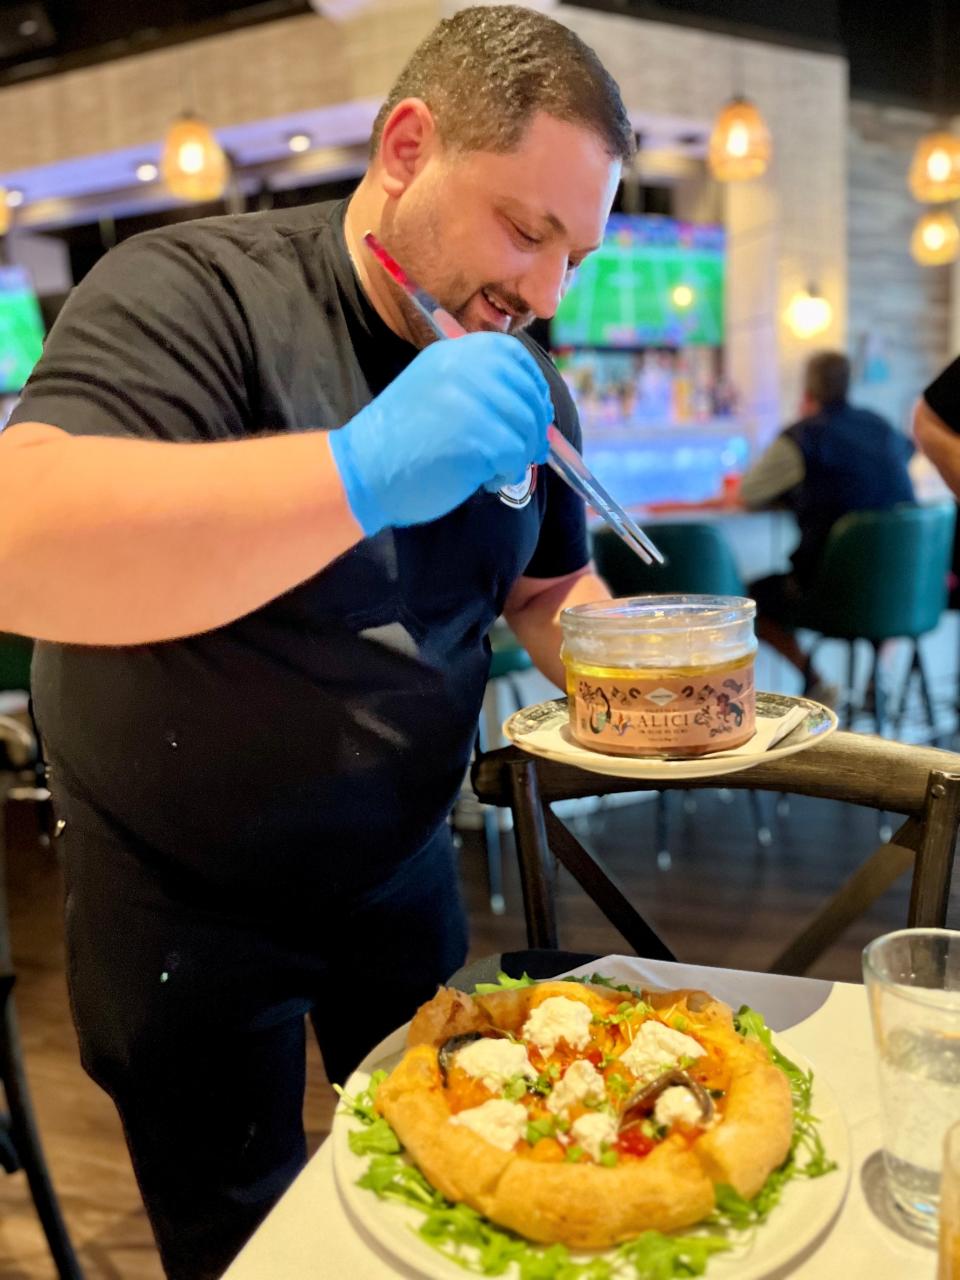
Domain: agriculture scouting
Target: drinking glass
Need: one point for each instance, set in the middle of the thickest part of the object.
(913, 986)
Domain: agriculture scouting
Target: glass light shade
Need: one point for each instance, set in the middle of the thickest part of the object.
(935, 169)
(935, 239)
(740, 146)
(194, 165)
(808, 314)
(6, 217)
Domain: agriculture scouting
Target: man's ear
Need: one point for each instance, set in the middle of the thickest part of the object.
(408, 139)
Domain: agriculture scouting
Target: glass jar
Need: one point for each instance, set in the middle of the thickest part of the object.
(661, 675)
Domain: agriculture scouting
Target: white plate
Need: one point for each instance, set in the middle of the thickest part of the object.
(806, 1210)
(544, 730)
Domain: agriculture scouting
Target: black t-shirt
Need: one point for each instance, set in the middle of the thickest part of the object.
(323, 737)
(943, 395)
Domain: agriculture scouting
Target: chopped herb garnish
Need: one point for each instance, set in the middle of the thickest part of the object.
(574, 1154)
(619, 1085)
(515, 1088)
(537, 1129)
(679, 1023)
(608, 1158)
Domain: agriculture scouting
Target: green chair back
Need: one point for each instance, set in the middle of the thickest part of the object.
(507, 653)
(698, 562)
(15, 654)
(884, 574)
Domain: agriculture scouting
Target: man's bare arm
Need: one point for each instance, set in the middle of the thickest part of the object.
(939, 443)
(533, 611)
(119, 541)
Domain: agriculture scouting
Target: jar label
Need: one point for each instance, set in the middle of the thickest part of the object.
(662, 715)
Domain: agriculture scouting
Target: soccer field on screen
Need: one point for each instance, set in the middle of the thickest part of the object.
(623, 296)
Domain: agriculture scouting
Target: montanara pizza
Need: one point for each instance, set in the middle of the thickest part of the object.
(576, 1114)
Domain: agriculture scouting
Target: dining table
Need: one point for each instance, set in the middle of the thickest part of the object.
(311, 1232)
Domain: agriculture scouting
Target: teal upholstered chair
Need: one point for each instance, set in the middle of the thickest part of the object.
(698, 562)
(884, 575)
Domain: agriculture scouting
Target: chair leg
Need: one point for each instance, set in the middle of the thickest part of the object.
(851, 681)
(662, 835)
(760, 824)
(900, 712)
(537, 866)
(930, 890)
(879, 693)
(924, 686)
(26, 1140)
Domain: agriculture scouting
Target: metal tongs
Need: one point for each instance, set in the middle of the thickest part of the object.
(563, 457)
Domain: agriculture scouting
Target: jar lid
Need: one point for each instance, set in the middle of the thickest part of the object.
(639, 614)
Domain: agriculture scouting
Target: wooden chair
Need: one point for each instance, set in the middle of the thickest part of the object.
(920, 783)
(20, 1146)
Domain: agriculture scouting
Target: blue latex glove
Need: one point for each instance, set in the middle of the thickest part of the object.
(462, 414)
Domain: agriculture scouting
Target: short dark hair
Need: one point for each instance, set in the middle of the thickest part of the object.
(827, 379)
(487, 71)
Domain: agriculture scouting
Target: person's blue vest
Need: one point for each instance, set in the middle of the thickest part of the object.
(854, 461)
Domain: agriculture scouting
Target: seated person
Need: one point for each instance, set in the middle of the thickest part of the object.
(836, 459)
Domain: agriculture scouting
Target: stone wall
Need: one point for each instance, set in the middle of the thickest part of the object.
(899, 312)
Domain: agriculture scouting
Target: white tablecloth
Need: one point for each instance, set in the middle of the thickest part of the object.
(310, 1234)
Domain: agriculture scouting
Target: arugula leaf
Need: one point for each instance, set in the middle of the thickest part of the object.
(598, 980)
(361, 1107)
(503, 983)
(659, 1257)
(377, 1137)
(391, 1178)
(807, 1157)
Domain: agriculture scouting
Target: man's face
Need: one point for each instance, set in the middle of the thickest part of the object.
(496, 237)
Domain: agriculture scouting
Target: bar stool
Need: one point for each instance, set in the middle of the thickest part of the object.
(884, 575)
(698, 562)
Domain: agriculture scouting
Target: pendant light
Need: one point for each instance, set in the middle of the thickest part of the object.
(936, 238)
(934, 175)
(740, 146)
(194, 165)
(808, 313)
(935, 169)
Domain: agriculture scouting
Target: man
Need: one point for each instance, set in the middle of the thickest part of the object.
(936, 419)
(262, 541)
(836, 459)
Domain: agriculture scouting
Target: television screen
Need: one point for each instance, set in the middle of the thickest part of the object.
(654, 282)
(21, 329)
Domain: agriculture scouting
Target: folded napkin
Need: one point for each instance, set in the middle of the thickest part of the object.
(771, 731)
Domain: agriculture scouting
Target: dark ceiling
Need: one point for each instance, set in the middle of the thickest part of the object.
(897, 50)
